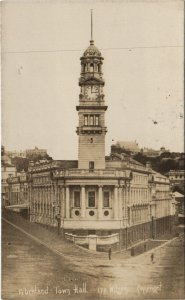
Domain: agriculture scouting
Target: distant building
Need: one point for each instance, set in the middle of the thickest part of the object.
(149, 152)
(163, 150)
(7, 170)
(176, 176)
(36, 152)
(16, 153)
(18, 193)
(177, 180)
(27, 153)
(6, 160)
(180, 206)
(130, 147)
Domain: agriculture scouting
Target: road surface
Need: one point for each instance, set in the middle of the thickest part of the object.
(32, 271)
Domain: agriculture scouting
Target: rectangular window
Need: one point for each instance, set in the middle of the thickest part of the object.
(91, 120)
(86, 120)
(91, 165)
(106, 198)
(91, 199)
(96, 120)
(77, 199)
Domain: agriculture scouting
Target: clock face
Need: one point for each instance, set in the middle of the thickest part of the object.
(91, 91)
(95, 89)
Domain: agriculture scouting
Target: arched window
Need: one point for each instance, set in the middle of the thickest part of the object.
(83, 68)
(91, 68)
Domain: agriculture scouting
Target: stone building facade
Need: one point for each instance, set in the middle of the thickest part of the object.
(176, 177)
(112, 196)
(6, 171)
(17, 190)
(99, 196)
(126, 198)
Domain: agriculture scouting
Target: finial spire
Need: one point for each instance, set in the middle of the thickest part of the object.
(91, 41)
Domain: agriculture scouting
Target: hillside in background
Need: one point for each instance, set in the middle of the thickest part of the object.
(22, 163)
(163, 163)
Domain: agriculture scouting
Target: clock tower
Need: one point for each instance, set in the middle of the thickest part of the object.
(91, 110)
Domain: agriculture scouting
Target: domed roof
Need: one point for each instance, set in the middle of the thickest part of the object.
(92, 50)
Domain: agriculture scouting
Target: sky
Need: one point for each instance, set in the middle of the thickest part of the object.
(142, 45)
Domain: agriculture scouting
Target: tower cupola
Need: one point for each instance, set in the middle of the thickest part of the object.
(91, 61)
(91, 109)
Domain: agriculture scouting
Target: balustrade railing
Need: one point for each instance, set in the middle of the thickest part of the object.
(89, 173)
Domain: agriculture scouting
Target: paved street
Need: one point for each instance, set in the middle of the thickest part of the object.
(27, 264)
(162, 279)
(29, 267)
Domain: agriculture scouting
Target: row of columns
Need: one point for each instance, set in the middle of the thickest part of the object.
(139, 195)
(60, 196)
(87, 67)
(139, 214)
(118, 202)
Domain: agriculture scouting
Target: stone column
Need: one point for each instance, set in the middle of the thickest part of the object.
(57, 195)
(67, 202)
(83, 201)
(46, 200)
(46, 204)
(120, 202)
(127, 201)
(46, 197)
(40, 200)
(100, 202)
(124, 202)
(131, 215)
(63, 202)
(116, 202)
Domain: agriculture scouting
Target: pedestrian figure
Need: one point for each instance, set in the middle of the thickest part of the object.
(152, 258)
(109, 253)
(145, 247)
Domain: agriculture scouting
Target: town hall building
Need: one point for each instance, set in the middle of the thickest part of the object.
(99, 201)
